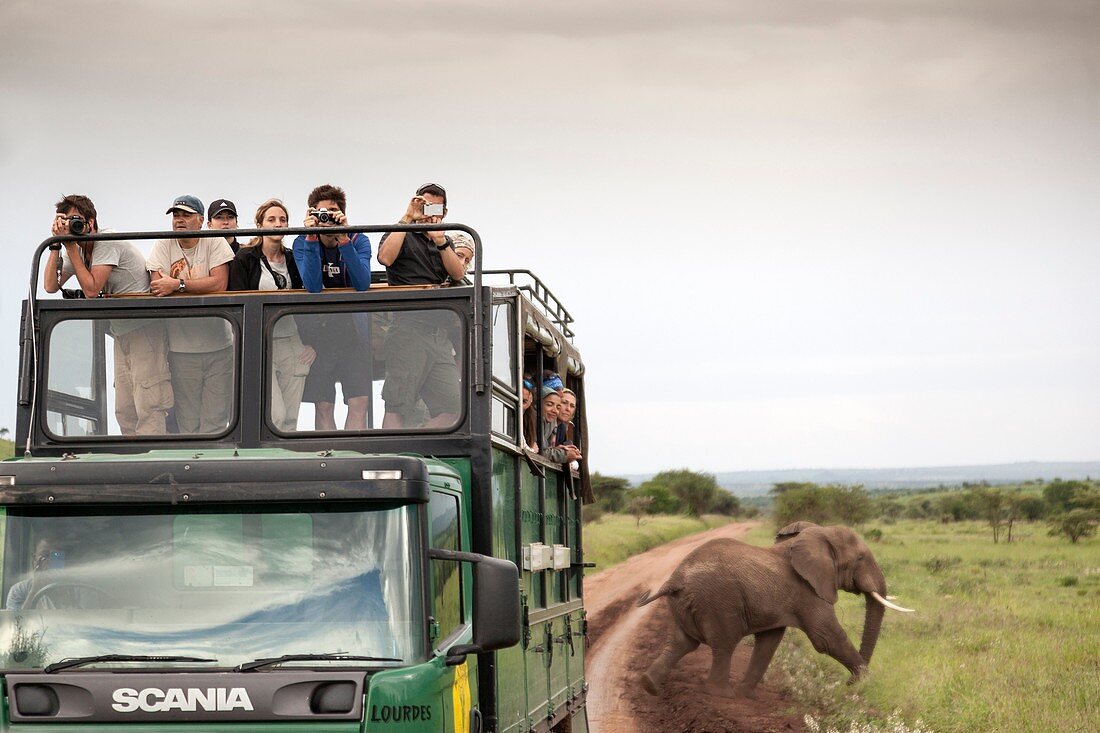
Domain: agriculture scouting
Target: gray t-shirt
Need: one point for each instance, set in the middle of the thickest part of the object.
(129, 274)
(193, 335)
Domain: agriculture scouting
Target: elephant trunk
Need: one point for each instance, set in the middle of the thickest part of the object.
(872, 624)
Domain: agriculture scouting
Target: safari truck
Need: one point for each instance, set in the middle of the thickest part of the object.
(265, 575)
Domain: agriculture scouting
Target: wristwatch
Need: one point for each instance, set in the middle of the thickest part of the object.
(183, 286)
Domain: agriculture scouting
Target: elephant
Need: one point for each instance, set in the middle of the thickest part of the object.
(725, 589)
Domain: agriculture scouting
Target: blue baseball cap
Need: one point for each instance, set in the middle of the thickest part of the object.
(190, 204)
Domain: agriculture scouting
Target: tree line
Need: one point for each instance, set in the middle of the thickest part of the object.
(681, 491)
(1071, 509)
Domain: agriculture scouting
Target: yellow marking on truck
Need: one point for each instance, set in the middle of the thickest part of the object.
(460, 690)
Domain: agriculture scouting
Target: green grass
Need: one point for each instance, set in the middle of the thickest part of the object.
(7, 449)
(1005, 637)
(614, 537)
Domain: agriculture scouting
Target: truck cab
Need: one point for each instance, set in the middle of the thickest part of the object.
(264, 568)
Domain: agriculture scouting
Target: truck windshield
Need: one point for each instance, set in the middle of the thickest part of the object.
(232, 583)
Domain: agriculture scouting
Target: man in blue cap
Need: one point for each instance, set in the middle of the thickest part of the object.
(200, 350)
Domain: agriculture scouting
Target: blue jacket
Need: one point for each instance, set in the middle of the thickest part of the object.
(326, 267)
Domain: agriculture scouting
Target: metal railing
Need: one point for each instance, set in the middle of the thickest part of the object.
(536, 291)
(30, 333)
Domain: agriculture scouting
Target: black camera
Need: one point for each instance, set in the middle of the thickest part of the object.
(324, 216)
(78, 225)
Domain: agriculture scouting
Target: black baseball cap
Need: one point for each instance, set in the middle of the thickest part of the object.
(220, 205)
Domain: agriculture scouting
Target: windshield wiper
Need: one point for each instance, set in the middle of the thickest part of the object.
(330, 657)
(81, 661)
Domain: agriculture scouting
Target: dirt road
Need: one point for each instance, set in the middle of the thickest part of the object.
(624, 639)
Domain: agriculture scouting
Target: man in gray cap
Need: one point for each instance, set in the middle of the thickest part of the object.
(200, 350)
(222, 214)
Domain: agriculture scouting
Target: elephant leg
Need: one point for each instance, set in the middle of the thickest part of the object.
(718, 682)
(829, 637)
(676, 647)
(762, 652)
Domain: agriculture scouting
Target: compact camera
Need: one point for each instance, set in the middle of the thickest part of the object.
(324, 216)
(433, 209)
(78, 225)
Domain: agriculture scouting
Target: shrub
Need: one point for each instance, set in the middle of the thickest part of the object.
(591, 513)
(823, 505)
(1067, 581)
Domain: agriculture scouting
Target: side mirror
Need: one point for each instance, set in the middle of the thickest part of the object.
(496, 622)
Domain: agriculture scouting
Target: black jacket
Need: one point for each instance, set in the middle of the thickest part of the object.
(245, 269)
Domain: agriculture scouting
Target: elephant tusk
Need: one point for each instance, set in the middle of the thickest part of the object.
(891, 598)
(887, 603)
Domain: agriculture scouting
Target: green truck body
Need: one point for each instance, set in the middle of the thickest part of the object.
(426, 578)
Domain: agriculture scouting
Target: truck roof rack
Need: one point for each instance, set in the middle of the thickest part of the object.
(536, 291)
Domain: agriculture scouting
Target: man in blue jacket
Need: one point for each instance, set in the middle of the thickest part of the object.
(334, 261)
(331, 260)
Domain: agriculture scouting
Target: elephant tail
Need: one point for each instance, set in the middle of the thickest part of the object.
(667, 589)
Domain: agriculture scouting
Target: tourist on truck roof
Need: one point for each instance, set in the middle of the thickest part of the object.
(418, 258)
(266, 264)
(222, 214)
(464, 248)
(419, 351)
(143, 389)
(334, 261)
(200, 350)
(331, 260)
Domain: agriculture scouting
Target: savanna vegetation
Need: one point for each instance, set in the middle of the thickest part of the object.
(1006, 584)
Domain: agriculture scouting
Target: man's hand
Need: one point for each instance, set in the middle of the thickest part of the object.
(60, 226)
(307, 355)
(438, 238)
(162, 285)
(414, 213)
(573, 452)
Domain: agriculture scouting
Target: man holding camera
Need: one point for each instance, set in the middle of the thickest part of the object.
(334, 261)
(420, 356)
(200, 350)
(143, 390)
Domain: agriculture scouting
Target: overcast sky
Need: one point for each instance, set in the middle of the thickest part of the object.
(829, 234)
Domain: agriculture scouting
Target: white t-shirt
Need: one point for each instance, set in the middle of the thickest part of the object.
(267, 281)
(185, 335)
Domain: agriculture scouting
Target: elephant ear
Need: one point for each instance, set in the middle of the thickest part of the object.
(792, 530)
(812, 558)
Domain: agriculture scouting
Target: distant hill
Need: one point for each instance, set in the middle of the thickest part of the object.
(752, 483)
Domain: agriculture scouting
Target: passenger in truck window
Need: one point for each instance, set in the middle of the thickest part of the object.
(530, 420)
(565, 431)
(143, 386)
(266, 264)
(334, 261)
(551, 403)
(200, 350)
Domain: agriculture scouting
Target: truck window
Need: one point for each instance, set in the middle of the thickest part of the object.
(236, 583)
(140, 377)
(446, 575)
(366, 370)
